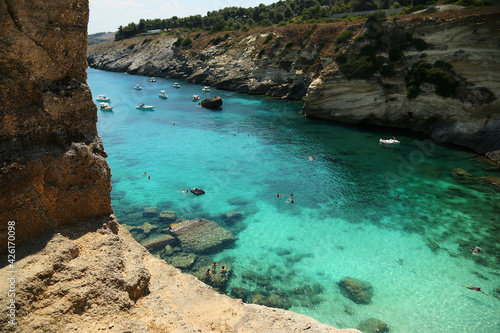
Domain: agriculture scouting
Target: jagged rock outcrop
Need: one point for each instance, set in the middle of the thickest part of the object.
(470, 117)
(53, 170)
(73, 268)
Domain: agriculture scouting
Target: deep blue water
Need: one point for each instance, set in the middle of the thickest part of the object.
(345, 219)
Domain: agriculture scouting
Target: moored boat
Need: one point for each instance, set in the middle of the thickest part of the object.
(177, 85)
(103, 98)
(143, 106)
(137, 87)
(196, 98)
(389, 141)
(205, 89)
(105, 106)
(163, 94)
(152, 79)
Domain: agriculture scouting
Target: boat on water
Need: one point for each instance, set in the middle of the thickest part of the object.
(205, 89)
(103, 98)
(152, 79)
(389, 141)
(163, 94)
(143, 106)
(196, 98)
(177, 85)
(105, 106)
(137, 87)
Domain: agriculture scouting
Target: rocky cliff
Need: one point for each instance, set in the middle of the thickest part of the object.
(362, 78)
(458, 54)
(68, 265)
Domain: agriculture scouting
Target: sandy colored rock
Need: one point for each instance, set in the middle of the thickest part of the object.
(201, 236)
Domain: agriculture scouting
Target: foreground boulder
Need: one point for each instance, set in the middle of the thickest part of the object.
(201, 236)
(356, 290)
(212, 103)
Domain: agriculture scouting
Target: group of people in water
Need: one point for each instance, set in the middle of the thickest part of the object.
(223, 269)
(290, 199)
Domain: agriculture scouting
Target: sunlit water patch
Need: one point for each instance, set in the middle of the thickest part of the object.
(338, 214)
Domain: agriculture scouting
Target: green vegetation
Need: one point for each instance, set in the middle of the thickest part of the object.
(439, 74)
(268, 38)
(279, 13)
(344, 37)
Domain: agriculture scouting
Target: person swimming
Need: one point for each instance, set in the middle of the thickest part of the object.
(477, 251)
(475, 289)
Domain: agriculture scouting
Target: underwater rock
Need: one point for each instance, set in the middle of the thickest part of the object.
(167, 216)
(356, 290)
(373, 325)
(231, 217)
(493, 180)
(182, 260)
(201, 236)
(274, 300)
(212, 103)
(150, 212)
(240, 293)
(237, 201)
(158, 241)
(349, 310)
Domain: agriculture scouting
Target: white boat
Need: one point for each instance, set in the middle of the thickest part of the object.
(143, 106)
(205, 89)
(103, 98)
(389, 141)
(137, 87)
(196, 98)
(163, 94)
(152, 79)
(177, 85)
(105, 106)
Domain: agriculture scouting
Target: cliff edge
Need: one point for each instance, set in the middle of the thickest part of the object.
(68, 265)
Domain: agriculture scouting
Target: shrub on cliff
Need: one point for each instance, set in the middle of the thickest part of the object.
(438, 74)
(344, 37)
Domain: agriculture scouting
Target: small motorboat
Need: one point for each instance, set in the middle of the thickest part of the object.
(105, 106)
(205, 89)
(163, 94)
(197, 191)
(177, 85)
(103, 98)
(153, 79)
(143, 106)
(196, 98)
(137, 87)
(389, 141)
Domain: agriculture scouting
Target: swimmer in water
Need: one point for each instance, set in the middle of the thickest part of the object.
(475, 289)
(476, 251)
(311, 158)
(143, 174)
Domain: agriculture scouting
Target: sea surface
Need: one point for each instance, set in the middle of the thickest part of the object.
(400, 217)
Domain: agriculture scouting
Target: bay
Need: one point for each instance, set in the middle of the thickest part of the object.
(401, 217)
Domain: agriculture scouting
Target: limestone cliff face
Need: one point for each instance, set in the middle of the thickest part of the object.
(470, 118)
(52, 170)
(73, 268)
(277, 61)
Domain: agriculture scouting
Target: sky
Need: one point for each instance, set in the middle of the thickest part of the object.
(108, 15)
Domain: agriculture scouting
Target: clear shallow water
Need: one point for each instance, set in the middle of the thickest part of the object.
(345, 219)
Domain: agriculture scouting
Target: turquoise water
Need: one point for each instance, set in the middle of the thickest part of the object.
(345, 219)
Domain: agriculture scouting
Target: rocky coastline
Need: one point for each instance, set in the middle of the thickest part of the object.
(312, 63)
(68, 265)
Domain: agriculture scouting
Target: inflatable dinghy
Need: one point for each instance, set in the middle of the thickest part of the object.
(197, 191)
